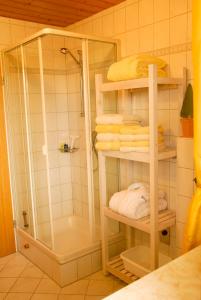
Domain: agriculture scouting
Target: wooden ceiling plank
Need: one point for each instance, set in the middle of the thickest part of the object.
(30, 10)
(50, 12)
(42, 14)
(36, 19)
(78, 4)
(101, 3)
(38, 5)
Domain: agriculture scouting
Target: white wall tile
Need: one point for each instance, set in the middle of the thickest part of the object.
(161, 10)
(132, 16)
(178, 30)
(84, 266)
(182, 207)
(178, 7)
(146, 12)
(119, 21)
(185, 153)
(185, 182)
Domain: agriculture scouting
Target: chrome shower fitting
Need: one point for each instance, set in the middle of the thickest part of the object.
(24, 214)
(69, 148)
(80, 64)
(67, 51)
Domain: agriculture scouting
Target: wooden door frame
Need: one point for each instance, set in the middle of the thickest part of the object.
(7, 237)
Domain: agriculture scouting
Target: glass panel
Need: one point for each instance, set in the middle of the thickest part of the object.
(17, 140)
(37, 141)
(101, 56)
(62, 59)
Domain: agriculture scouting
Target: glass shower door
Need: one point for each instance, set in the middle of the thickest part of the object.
(37, 140)
(17, 141)
(100, 56)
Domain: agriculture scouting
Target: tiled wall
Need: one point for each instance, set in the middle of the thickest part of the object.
(101, 55)
(185, 186)
(57, 118)
(162, 28)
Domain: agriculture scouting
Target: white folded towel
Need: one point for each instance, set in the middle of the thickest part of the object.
(107, 137)
(118, 119)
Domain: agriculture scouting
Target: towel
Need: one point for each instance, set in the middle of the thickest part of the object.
(134, 202)
(161, 147)
(138, 195)
(118, 119)
(139, 143)
(133, 137)
(138, 130)
(141, 185)
(116, 199)
(106, 146)
(108, 128)
(134, 67)
(107, 137)
(137, 210)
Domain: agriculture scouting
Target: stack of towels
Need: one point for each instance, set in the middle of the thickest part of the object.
(134, 202)
(124, 133)
(135, 67)
(136, 138)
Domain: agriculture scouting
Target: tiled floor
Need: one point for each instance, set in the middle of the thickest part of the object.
(21, 280)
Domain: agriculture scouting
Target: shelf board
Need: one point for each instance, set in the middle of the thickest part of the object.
(140, 156)
(139, 84)
(116, 267)
(166, 218)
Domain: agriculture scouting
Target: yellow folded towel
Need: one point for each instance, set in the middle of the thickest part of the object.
(139, 130)
(105, 146)
(139, 143)
(135, 144)
(135, 67)
(161, 147)
(108, 128)
(107, 137)
(133, 137)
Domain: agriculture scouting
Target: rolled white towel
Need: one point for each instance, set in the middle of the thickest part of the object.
(120, 199)
(107, 137)
(118, 119)
(116, 199)
(133, 211)
(146, 191)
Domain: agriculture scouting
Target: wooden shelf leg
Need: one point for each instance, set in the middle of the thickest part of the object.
(128, 237)
(104, 219)
(153, 125)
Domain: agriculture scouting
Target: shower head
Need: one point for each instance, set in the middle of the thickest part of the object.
(64, 50)
(67, 51)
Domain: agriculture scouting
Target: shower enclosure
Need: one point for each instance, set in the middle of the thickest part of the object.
(49, 93)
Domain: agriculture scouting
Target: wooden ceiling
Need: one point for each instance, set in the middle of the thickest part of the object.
(53, 12)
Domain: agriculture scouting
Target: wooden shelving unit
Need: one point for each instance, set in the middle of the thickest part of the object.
(157, 221)
(116, 267)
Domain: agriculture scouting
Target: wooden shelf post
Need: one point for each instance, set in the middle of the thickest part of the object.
(153, 140)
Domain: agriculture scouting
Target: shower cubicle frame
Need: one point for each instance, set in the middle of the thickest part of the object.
(86, 88)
